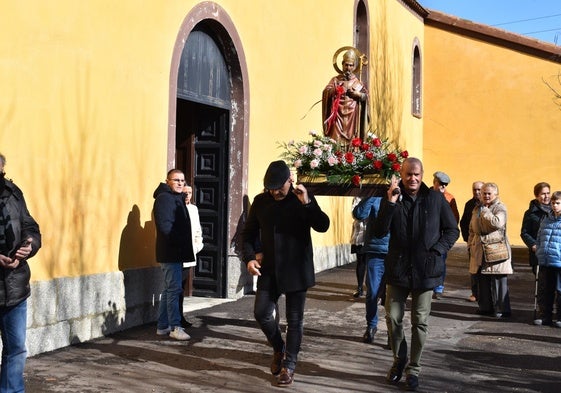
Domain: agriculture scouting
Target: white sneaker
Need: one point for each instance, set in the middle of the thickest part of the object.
(163, 332)
(179, 334)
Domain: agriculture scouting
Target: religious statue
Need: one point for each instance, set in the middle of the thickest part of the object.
(345, 99)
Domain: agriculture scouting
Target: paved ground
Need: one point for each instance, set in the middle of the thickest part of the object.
(227, 352)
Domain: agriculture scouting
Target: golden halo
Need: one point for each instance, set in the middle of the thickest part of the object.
(361, 58)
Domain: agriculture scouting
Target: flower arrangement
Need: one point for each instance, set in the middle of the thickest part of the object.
(344, 164)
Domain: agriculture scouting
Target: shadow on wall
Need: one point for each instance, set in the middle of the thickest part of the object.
(141, 281)
(137, 246)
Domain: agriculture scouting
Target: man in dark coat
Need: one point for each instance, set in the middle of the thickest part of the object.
(464, 228)
(281, 217)
(20, 240)
(422, 227)
(173, 247)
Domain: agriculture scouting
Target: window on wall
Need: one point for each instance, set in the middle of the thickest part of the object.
(362, 42)
(417, 86)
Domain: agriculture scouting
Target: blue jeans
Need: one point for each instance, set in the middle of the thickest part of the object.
(374, 274)
(265, 304)
(396, 297)
(440, 288)
(13, 324)
(169, 302)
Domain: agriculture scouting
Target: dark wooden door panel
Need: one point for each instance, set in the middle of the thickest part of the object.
(211, 175)
(202, 152)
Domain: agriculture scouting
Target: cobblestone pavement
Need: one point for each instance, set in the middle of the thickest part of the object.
(464, 352)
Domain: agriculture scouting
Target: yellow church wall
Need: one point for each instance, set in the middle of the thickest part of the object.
(404, 29)
(489, 116)
(84, 108)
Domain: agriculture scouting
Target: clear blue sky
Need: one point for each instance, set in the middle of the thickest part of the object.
(540, 19)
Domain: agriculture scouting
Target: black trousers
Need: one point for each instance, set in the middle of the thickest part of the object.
(264, 308)
(549, 292)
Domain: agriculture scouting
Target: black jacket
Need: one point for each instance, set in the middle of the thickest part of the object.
(14, 283)
(530, 225)
(420, 232)
(466, 217)
(284, 229)
(173, 227)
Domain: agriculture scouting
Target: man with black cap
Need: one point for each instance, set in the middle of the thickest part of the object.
(281, 218)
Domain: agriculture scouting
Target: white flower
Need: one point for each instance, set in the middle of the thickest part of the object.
(318, 152)
(297, 163)
(313, 133)
(314, 163)
(303, 149)
(332, 160)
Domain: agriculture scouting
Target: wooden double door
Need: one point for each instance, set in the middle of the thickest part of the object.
(202, 153)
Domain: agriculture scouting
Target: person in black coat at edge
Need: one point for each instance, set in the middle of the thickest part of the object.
(281, 217)
(422, 228)
(20, 239)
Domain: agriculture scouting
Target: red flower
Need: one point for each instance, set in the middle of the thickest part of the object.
(377, 142)
(369, 155)
(339, 153)
(365, 146)
(356, 180)
(396, 167)
(356, 142)
(404, 154)
(392, 157)
(378, 164)
(349, 157)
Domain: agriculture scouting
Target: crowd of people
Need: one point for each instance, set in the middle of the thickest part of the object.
(392, 250)
(401, 241)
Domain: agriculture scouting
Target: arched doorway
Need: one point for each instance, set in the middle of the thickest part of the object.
(207, 137)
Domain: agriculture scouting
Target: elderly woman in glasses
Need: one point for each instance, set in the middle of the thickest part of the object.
(489, 219)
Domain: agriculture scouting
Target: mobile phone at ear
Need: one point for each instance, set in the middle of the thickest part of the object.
(23, 243)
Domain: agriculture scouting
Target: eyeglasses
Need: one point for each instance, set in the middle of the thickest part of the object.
(177, 180)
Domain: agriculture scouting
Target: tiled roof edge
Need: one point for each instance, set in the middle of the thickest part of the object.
(494, 35)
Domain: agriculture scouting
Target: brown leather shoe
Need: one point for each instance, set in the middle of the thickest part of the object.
(286, 377)
(276, 364)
